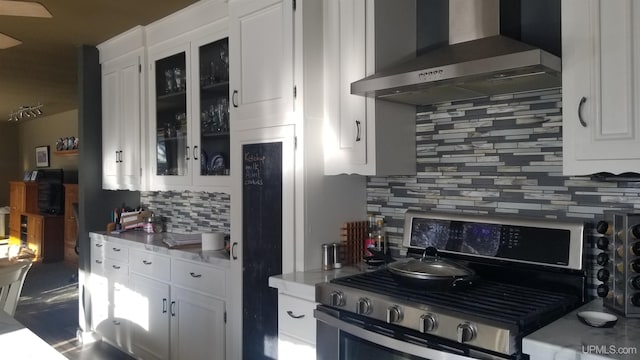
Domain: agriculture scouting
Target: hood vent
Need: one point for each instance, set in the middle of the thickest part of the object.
(477, 62)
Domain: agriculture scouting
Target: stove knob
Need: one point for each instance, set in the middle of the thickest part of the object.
(394, 314)
(336, 298)
(363, 307)
(428, 323)
(466, 332)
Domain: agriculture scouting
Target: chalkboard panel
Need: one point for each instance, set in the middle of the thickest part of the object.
(262, 247)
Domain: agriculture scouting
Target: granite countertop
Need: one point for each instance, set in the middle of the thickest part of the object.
(302, 284)
(153, 242)
(568, 338)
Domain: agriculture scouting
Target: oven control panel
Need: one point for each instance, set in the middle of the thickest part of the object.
(618, 260)
(532, 241)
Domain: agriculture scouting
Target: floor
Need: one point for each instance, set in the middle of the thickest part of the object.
(48, 306)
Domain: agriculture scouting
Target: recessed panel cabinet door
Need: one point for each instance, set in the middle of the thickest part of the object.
(110, 128)
(261, 59)
(190, 311)
(121, 115)
(600, 64)
(150, 319)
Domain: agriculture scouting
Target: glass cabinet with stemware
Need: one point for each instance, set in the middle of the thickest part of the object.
(189, 111)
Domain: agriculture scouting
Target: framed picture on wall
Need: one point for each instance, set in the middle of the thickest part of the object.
(42, 156)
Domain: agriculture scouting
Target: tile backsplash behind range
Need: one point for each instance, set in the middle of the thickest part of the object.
(190, 211)
(494, 155)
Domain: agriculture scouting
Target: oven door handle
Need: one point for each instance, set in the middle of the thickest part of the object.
(390, 343)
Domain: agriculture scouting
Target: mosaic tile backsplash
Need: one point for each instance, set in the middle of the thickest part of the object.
(494, 155)
(190, 211)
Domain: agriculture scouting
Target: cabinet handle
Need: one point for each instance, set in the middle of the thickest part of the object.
(582, 101)
(121, 161)
(116, 322)
(117, 152)
(164, 305)
(116, 249)
(98, 245)
(98, 261)
(195, 152)
(195, 275)
(173, 308)
(358, 130)
(290, 313)
(234, 98)
(188, 153)
(233, 251)
(117, 267)
(147, 262)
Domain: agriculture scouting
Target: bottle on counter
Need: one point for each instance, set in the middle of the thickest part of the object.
(370, 241)
(381, 244)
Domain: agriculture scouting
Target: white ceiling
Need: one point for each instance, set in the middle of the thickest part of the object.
(43, 68)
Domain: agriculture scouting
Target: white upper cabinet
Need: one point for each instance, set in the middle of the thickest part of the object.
(600, 80)
(121, 61)
(261, 72)
(189, 136)
(362, 135)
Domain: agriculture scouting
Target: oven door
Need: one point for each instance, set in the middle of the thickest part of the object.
(340, 339)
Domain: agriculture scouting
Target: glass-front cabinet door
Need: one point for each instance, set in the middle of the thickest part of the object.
(190, 114)
(212, 126)
(171, 125)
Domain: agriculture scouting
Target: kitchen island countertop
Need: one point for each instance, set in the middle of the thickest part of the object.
(154, 243)
(568, 338)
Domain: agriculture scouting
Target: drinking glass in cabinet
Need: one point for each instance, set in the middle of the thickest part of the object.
(180, 78)
(169, 78)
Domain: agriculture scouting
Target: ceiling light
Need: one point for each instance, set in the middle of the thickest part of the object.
(28, 111)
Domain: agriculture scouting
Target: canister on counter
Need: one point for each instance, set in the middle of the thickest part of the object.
(327, 256)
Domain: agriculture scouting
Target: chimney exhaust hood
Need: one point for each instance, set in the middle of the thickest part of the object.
(477, 62)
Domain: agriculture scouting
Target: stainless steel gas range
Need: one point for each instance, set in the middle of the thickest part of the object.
(526, 274)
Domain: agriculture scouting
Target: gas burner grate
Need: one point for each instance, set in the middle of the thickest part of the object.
(528, 308)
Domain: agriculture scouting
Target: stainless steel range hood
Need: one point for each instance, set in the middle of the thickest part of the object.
(477, 62)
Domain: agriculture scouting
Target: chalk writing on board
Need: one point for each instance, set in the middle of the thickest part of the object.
(253, 164)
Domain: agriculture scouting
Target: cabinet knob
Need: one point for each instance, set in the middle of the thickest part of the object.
(357, 130)
(195, 275)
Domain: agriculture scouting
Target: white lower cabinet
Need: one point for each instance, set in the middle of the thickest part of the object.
(296, 328)
(110, 293)
(199, 321)
(155, 306)
(150, 321)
